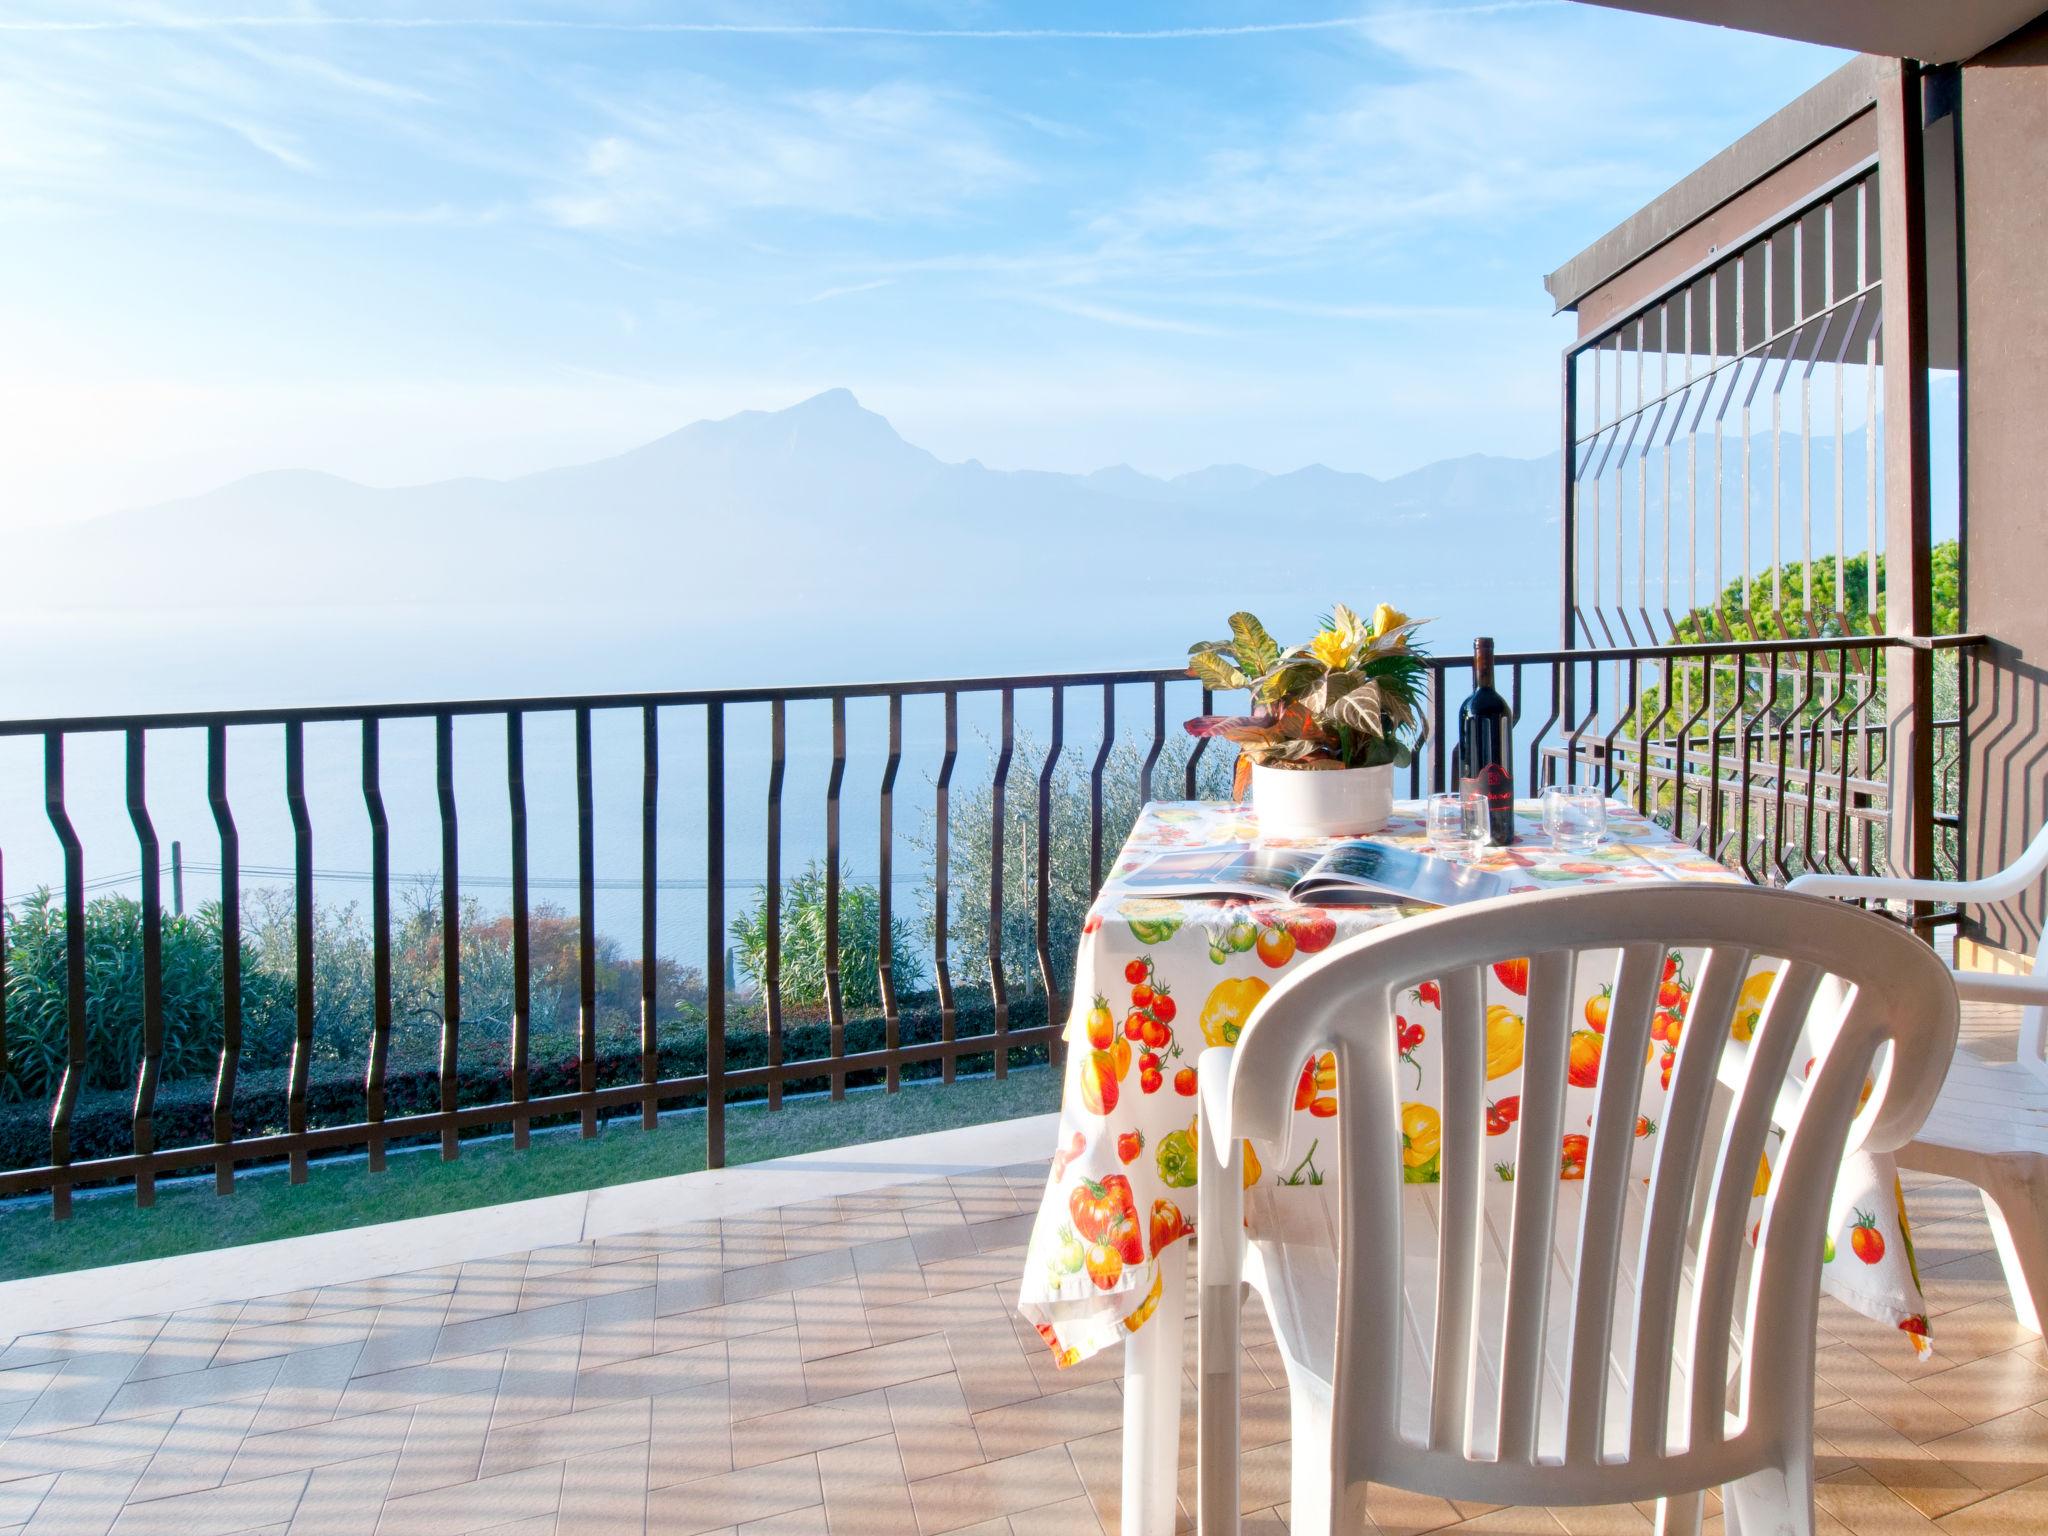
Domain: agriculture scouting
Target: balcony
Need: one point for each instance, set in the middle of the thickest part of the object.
(738, 1352)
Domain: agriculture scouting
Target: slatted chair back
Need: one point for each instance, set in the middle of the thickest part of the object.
(1659, 1349)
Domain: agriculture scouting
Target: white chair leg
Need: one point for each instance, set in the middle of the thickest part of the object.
(1775, 1502)
(2020, 1229)
(1311, 1502)
(1681, 1514)
(1152, 1386)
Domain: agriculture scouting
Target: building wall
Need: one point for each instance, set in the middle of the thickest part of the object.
(2004, 170)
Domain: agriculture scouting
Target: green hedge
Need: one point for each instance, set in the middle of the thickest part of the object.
(102, 1124)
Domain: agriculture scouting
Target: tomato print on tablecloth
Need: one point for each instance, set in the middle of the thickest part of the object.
(1159, 979)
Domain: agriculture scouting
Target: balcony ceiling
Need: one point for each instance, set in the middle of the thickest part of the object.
(1933, 31)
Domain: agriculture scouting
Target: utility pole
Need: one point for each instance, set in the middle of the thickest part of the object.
(177, 878)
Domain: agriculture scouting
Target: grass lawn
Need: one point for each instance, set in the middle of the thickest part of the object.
(190, 1218)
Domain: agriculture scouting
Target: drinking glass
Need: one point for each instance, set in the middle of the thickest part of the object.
(1457, 824)
(1575, 816)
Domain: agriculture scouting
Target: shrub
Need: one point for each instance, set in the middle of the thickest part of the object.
(37, 1031)
(973, 852)
(803, 951)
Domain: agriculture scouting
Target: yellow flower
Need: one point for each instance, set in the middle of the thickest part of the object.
(1386, 618)
(1331, 649)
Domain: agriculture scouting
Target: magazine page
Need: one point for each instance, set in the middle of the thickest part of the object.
(1232, 870)
(1400, 874)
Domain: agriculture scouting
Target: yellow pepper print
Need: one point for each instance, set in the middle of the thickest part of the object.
(1230, 1003)
(1422, 1139)
(1149, 1305)
(1763, 1176)
(1749, 1003)
(1503, 1041)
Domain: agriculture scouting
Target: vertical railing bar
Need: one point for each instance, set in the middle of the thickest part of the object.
(1095, 772)
(1201, 746)
(6, 1064)
(1047, 979)
(1158, 740)
(1441, 770)
(73, 1080)
(942, 884)
(892, 1022)
(302, 936)
(650, 1001)
(771, 899)
(835, 996)
(586, 927)
(1716, 811)
(998, 986)
(522, 928)
(230, 956)
(714, 934)
(144, 1118)
(380, 943)
(451, 931)
(1543, 731)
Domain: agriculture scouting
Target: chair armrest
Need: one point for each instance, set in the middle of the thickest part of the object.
(1885, 888)
(1990, 987)
(1219, 1275)
(2016, 877)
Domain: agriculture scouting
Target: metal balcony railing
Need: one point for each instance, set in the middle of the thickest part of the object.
(1772, 756)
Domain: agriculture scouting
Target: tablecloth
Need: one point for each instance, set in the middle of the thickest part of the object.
(1158, 979)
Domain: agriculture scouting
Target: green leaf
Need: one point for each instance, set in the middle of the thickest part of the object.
(1256, 650)
(1212, 668)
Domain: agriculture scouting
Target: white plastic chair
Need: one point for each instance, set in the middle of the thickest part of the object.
(1590, 1361)
(1989, 1127)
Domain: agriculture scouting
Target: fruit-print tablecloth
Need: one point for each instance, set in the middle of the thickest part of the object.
(1158, 979)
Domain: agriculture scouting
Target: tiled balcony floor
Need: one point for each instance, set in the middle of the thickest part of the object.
(848, 1365)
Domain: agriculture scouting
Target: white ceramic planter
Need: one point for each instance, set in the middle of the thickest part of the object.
(1322, 802)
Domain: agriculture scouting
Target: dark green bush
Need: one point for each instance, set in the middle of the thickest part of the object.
(803, 943)
(102, 1123)
(37, 1030)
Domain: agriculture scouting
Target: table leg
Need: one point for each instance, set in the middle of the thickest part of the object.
(1152, 1388)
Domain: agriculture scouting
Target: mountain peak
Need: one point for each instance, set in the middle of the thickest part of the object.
(836, 400)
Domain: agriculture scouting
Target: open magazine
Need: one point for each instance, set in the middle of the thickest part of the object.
(1350, 874)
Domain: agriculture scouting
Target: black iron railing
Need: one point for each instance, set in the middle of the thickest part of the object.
(1769, 755)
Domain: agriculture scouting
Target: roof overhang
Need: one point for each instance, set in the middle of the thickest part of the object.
(1784, 136)
(1932, 31)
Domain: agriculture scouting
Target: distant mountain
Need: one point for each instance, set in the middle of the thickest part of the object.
(822, 507)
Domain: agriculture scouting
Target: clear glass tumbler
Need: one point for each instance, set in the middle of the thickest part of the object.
(1457, 825)
(1575, 816)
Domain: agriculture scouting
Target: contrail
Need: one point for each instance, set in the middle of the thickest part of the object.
(750, 28)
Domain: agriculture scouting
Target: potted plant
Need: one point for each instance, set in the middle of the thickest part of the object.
(1330, 721)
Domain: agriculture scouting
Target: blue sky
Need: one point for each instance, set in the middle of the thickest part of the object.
(406, 241)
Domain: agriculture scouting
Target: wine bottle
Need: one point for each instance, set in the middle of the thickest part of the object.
(1486, 747)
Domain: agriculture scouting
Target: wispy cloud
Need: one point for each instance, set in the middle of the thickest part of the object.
(1125, 319)
(316, 21)
(895, 150)
(846, 289)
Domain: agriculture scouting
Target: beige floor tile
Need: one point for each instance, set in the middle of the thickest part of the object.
(507, 1448)
(1864, 1505)
(504, 1329)
(787, 1275)
(307, 1446)
(1991, 1385)
(604, 1493)
(309, 1387)
(415, 1384)
(90, 1445)
(728, 1320)
(767, 1373)
(215, 1511)
(885, 1365)
(1021, 1427)
(955, 1499)
(187, 1341)
(933, 1427)
(444, 1445)
(650, 1375)
(345, 1498)
(405, 1333)
(618, 1325)
(2019, 1511)
(320, 1332)
(813, 1427)
(866, 1492)
(539, 1380)
(84, 1502)
(1999, 1453)
(1069, 1517)
(692, 1435)
(831, 1319)
(734, 1498)
(475, 1506)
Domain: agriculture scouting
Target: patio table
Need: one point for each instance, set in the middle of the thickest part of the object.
(1161, 978)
